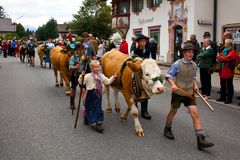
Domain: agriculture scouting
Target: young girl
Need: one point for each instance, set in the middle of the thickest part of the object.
(93, 102)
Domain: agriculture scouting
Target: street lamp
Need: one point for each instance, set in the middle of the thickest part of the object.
(15, 27)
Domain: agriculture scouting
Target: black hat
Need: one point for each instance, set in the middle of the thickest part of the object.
(207, 34)
(141, 36)
(188, 46)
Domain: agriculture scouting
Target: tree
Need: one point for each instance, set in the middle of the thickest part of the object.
(3, 14)
(20, 30)
(94, 16)
(28, 33)
(40, 33)
(51, 29)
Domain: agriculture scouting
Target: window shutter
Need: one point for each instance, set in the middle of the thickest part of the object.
(149, 3)
(134, 5)
(140, 5)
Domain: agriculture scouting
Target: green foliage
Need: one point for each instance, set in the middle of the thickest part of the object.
(28, 32)
(51, 29)
(48, 30)
(10, 36)
(94, 17)
(20, 30)
(3, 14)
(1, 36)
(40, 33)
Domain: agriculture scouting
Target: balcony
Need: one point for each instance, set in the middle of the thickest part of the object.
(120, 16)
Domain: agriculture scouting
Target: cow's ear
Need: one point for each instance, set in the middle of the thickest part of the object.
(135, 67)
(64, 51)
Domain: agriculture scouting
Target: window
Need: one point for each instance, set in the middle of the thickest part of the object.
(123, 7)
(152, 3)
(137, 5)
(154, 32)
(137, 31)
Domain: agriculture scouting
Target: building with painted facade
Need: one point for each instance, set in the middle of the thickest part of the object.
(171, 22)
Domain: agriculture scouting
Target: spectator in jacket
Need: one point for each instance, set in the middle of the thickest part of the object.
(205, 62)
(124, 45)
(227, 60)
(152, 48)
(133, 46)
(194, 41)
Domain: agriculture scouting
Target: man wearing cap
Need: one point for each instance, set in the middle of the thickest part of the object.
(143, 52)
(182, 78)
(75, 67)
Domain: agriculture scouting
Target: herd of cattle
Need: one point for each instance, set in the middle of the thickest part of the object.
(112, 62)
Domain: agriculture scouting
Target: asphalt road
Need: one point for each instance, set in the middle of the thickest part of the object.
(36, 124)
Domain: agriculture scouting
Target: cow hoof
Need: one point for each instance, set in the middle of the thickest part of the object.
(117, 110)
(140, 133)
(109, 110)
(61, 84)
(56, 85)
(68, 93)
(124, 119)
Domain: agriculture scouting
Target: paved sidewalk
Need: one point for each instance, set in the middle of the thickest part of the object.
(216, 87)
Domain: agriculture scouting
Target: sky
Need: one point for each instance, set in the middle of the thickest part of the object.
(37, 12)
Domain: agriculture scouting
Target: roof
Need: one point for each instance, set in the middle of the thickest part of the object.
(62, 28)
(6, 25)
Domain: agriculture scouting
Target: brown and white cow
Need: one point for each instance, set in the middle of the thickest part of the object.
(111, 63)
(60, 62)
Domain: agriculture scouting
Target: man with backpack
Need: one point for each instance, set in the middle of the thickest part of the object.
(31, 52)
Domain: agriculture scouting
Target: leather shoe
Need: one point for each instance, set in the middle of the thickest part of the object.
(168, 133)
(238, 97)
(146, 115)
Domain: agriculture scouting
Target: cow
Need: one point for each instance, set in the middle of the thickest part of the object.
(60, 62)
(23, 52)
(112, 62)
(41, 51)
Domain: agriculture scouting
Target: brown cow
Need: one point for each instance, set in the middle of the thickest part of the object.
(60, 61)
(23, 52)
(112, 63)
(41, 53)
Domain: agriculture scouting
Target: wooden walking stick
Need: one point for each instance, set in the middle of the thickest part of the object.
(204, 100)
(80, 95)
(79, 101)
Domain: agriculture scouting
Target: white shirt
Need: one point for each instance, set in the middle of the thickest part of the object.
(50, 45)
(90, 82)
(100, 50)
